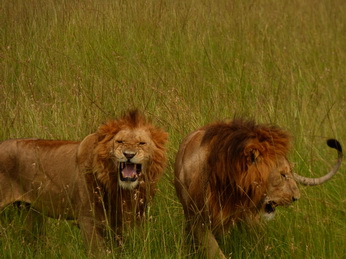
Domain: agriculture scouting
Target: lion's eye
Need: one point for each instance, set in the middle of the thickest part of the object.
(284, 175)
(120, 141)
(142, 143)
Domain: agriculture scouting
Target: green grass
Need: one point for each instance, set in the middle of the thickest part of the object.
(67, 66)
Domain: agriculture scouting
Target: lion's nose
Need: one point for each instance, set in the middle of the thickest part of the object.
(129, 155)
(295, 198)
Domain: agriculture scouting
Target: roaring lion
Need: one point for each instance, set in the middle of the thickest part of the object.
(235, 171)
(104, 182)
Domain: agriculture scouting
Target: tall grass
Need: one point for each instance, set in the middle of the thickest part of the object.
(67, 66)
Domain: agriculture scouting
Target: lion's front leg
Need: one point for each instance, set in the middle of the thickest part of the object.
(93, 234)
(207, 240)
(202, 235)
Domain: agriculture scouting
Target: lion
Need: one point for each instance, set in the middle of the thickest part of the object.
(103, 182)
(230, 172)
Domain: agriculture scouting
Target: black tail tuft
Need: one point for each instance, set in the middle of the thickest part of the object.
(333, 143)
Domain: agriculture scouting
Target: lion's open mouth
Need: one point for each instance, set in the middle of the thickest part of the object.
(270, 207)
(129, 172)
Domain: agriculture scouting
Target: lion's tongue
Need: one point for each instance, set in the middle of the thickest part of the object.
(129, 171)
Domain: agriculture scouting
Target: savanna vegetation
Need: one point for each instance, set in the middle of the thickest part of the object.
(67, 66)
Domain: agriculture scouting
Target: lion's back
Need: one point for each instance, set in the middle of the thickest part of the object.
(34, 156)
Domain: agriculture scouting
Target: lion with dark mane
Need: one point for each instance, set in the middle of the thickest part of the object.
(107, 179)
(231, 172)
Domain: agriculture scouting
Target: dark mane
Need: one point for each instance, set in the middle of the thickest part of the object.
(234, 148)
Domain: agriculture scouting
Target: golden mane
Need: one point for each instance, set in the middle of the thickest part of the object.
(232, 148)
(133, 119)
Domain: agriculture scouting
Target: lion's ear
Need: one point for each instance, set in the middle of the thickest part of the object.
(86, 147)
(252, 154)
(100, 137)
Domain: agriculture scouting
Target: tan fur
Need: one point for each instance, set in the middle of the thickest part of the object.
(231, 172)
(80, 180)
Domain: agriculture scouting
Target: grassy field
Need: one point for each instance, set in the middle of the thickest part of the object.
(67, 66)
